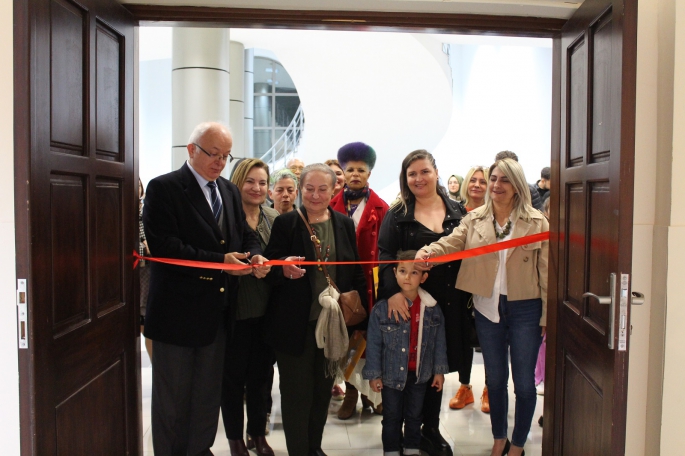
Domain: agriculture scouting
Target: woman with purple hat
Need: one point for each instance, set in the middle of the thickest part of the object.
(367, 210)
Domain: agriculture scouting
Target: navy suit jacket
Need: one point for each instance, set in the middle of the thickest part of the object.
(185, 304)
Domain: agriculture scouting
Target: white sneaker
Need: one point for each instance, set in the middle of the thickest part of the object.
(541, 389)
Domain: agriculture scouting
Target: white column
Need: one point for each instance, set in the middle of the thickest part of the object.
(237, 103)
(248, 96)
(199, 83)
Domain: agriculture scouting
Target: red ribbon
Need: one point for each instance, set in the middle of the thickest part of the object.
(470, 253)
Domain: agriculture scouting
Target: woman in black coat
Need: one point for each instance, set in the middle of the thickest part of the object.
(294, 309)
(423, 215)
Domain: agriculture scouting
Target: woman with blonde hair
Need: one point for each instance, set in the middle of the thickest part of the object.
(509, 293)
(249, 361)
(473, 190)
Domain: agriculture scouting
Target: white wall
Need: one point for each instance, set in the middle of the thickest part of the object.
(9, 380)
(395, 91)
(502, 101)
(657, 358)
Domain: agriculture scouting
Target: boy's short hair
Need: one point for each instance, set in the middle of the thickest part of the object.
(406, 255)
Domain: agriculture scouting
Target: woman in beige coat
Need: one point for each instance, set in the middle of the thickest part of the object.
(509, 292)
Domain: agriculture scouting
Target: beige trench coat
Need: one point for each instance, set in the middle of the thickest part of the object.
(526, 265)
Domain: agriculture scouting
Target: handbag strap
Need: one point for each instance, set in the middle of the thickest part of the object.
(317, 250)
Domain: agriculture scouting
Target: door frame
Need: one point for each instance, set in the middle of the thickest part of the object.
(148, 15)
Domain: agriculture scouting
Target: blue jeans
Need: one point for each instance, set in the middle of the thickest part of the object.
(402, 406)
(519, 333)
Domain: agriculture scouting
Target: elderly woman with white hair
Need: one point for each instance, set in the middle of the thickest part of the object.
(283, 191)
(305, 370)
(509, 293)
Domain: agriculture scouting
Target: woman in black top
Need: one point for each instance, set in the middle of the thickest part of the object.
(424, 214)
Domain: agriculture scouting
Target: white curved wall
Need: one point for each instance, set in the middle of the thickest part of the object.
(386, 89)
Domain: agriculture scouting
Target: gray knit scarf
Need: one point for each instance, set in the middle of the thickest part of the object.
(331, 332)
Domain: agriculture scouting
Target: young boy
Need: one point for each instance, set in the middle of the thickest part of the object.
(401, 358)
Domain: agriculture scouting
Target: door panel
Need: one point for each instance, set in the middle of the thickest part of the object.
(83, 365)
(592, 228)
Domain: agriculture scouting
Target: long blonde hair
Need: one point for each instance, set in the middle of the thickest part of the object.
(514, 172)
(464, 189)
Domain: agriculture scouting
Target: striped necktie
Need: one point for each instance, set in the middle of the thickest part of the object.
(216, 200)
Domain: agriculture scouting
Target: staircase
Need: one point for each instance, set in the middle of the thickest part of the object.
(286, 146)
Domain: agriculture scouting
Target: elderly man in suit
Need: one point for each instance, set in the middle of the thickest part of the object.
(193, 214)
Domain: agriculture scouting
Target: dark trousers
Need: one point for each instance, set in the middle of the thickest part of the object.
(403, 407)
(467, 365)
(186, 393)
(305, 396)
(518, 334)
(247, 365)
(431, 406)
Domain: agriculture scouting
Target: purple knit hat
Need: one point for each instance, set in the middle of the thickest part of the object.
(357, 151)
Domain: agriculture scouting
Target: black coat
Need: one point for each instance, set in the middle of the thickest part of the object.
(287, 316)
(185, 304)
(401, 231)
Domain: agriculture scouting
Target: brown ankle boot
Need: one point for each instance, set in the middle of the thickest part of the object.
(349, 404)
(261, 447)
(238, 447)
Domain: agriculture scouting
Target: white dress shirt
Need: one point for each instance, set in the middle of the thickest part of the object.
(202, 182)
(489, 305)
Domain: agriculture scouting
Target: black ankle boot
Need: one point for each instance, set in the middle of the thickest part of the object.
(433, 443)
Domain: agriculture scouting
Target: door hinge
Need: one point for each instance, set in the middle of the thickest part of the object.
(22, 314)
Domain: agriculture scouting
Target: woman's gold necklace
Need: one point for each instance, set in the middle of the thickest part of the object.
(505, 232)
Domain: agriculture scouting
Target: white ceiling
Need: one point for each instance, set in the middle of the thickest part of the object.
(562, 9)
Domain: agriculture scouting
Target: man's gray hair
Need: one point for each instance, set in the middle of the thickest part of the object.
(318, 167)
(292, 161)
(202, 128)
(281, 174)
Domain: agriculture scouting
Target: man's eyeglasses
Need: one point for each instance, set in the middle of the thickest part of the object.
(226, 158)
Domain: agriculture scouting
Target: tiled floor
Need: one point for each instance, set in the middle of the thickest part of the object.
(468, 430)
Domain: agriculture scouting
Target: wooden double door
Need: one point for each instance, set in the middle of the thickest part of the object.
(77, 227)
(76, 212)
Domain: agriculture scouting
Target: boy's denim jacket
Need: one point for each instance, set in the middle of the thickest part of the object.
(387, 345)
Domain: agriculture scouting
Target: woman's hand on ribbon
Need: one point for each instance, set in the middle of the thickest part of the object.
(397, 307)
(424, 265)
(237, 258)
(292, 271)
(259, 269)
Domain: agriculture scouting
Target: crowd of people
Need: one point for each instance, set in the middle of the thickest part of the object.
(217, 333)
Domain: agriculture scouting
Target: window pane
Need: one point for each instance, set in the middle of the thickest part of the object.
(278, 133)
(263, 75)
(262, 142)
(286, 107)
(282, 80)
(262, 110)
